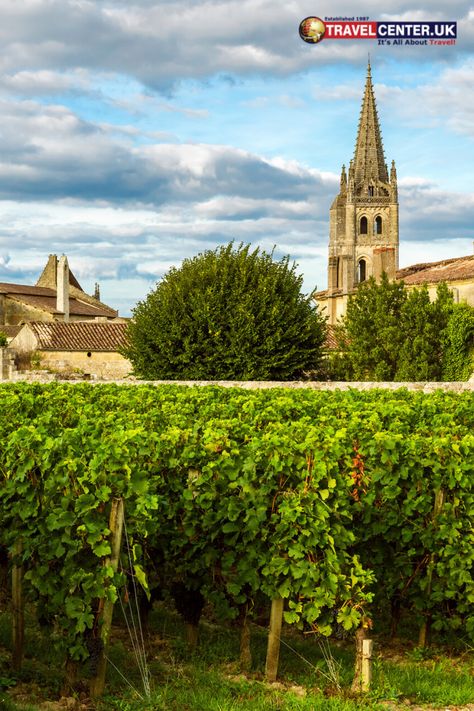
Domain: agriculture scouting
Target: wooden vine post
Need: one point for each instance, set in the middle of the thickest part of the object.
(18, 630)
(360, 638)
(367, 647)
(363, 658)
(116, 526)
(273, 648)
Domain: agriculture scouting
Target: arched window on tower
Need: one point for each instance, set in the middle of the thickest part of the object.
(361, 271)
(363, 226)
(378, 225)
(371, 190)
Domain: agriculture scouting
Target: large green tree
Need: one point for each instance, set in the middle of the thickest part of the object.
(389, 333)
(370, 337)
(231, 313)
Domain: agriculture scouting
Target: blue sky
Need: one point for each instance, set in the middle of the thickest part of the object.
(136, 134)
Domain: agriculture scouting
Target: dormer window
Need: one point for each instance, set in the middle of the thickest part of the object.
(371, 190)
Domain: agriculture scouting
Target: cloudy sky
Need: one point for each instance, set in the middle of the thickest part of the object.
(135, 133)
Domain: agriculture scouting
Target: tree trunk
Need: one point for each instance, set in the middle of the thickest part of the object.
(70, 676)
(395, 610)
(192, 635)
(18, 630)
(245, 651)
(424, 637)
(97, 684)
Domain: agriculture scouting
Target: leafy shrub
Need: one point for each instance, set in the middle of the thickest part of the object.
(226, 314)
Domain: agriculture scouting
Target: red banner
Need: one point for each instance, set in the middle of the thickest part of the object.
(351, 30)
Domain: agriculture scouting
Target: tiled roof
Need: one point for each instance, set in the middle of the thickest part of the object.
(322, 295)
(44, 298)
(456, 269)
(79, 335)
(26, 290)
(10, 331)
(330, 343)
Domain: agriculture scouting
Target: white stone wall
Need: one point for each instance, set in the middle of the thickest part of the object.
(424, 387)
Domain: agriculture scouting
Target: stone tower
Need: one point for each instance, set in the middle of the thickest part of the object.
(363, 233)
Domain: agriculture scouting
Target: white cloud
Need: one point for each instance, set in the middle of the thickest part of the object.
(161, 42)
(127, 197)
(447, 100)
(44, 81)
(128, 248)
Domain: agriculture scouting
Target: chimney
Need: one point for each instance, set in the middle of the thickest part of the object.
(62, 287)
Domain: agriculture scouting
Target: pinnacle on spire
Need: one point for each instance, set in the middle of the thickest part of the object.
(369, 159)
(343, 180)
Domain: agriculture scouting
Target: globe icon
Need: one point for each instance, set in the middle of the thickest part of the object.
(312, 29)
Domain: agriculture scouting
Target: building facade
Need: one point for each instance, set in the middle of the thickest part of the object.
(80, 348)
(57, 296)
(457, 273)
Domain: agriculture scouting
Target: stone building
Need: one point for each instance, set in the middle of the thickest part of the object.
(363, 222)
(458, 273)
(363, 227)
(57, 327)
(77, 348)
(57, 296)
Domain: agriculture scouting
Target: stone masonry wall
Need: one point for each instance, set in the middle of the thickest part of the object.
(425, 387)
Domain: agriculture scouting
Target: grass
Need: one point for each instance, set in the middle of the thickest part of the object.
(209, 680)
(210, 691)
(434, 682)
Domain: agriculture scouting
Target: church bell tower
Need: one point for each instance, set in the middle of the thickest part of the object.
(363, 233)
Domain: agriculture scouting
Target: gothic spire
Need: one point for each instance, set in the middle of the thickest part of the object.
(369, 160)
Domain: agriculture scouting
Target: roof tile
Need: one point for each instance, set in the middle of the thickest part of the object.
(330, 342)
(455, 269)
(79, 335)
(45, 298)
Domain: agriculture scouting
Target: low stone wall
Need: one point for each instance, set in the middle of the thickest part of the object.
(424, 387)
(94, 364)
(7, 363)
(72, 365)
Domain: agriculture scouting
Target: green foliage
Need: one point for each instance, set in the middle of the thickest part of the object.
(458, 362)
(390, 333)
(3, 340)
(226, 314)
(371, 337)
(420, 549)
(422, 325)
(327, 499)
